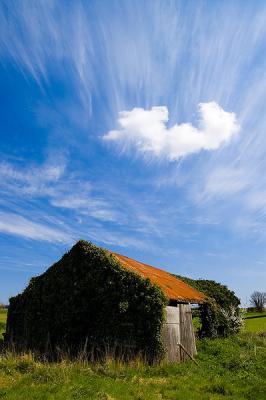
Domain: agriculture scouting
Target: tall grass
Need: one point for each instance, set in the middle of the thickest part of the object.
(233, 368)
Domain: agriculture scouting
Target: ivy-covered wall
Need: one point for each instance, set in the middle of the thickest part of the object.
(220, 314)
(88, 302)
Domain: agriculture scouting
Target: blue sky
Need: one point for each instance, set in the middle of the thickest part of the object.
(138, 125)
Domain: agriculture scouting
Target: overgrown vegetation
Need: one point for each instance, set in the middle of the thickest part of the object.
(87, 302)
(232, 368)
(228, 368)
(220, 316)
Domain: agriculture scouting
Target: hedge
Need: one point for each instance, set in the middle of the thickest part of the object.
(88, 302)
(220, 314)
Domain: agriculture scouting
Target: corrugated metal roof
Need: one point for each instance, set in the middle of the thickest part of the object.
(173, 288)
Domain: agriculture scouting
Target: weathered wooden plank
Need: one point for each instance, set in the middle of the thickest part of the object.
(189, 355)
(187, 336)
(178, 333)
(171, 334)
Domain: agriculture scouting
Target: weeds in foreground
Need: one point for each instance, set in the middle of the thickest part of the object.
(228, 368)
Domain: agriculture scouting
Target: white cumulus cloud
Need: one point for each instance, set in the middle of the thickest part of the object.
(147, 131)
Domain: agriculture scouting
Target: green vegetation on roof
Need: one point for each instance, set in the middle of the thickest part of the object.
(88, 302)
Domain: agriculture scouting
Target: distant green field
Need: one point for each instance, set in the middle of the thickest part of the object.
(254, 314)
(3, 314)
(255, 325)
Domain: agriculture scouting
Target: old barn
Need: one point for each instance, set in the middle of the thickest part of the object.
(96, 302)
(178, 333)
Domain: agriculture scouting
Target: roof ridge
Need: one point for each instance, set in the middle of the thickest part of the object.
(174, 288)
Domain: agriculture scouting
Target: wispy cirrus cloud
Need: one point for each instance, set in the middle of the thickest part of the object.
(80, 64)
(14, 224)
(62, 189)
(147, 131)
(67, 234)
(223, 182)
(32, 180)
(73, 43)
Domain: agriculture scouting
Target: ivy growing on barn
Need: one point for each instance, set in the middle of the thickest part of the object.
(88, 302)
(220, 314)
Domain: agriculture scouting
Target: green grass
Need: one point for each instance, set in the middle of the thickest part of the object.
(228, 369)
(196, 323)
(233, 368)
(3, 314)
(255, 324)
(255, 314)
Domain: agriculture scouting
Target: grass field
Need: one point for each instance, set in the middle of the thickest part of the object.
(233, 368)
(255, 325)
(228, 368)
(255, 314)
(3, 314)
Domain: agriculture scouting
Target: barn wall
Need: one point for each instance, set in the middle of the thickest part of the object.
(88, 302)
(178, 329)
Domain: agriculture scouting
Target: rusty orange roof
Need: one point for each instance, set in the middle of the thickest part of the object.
(173, 288)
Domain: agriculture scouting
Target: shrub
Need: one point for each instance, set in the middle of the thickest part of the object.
(220, 315)
(231, 320)
(214, 290)
(88, 302)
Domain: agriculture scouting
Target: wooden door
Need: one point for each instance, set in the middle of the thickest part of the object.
(171, 334)
(178, 329)
(187, 335)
